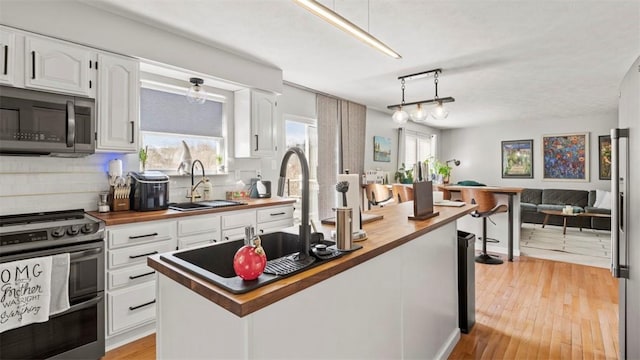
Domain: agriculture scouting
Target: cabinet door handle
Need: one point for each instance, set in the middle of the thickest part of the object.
(33, 64)
(142, 236)
(71, 123)
(142, 255)
(256, 142)
(131, 308)
(226, 238)
(133, 277)
(276, 214)
(133, 126)
(6, 58)
(261, 231)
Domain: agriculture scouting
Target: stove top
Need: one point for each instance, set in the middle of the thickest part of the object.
(36, 231)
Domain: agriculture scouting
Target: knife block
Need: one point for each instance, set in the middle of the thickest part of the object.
(122, 204)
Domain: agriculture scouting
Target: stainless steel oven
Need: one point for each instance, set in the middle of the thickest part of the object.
(77, 333)
(40, 123)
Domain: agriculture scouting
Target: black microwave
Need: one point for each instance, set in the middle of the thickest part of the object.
(41, 123)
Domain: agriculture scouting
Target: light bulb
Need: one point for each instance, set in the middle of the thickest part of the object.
(400, 117)
(419, 114)
(439, 112)
(196, 94)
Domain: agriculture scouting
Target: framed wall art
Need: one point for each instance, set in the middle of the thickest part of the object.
(517, 159)
(604, 157)
(566, 157)
(381, 149)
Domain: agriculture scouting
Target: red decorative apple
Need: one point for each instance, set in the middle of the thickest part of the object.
(249, 261)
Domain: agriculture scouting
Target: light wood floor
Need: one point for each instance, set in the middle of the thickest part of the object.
(527, 309)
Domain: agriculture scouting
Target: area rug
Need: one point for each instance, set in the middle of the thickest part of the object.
(586, 247)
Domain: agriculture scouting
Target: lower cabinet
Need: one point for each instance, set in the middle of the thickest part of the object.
(130, 283)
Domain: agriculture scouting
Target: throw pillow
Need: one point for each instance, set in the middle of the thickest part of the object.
(603, 199)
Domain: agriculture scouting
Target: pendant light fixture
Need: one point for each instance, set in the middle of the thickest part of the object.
(438, 112)
(400, 116)
(420, 113)
(196, 94)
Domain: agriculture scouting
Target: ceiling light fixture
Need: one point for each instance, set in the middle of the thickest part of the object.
(400, 116)
(419, 114)
(338, 21)
(196, 94)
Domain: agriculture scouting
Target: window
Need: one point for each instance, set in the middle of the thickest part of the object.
(303, 133)
(168, 122)
(418, 147)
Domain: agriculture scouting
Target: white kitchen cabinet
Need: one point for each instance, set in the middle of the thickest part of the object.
(234, 222)
(118, 103)
(57, 66)
(7, 57)
(198, 230)
(255, 123)
(130, 282)
(274, 218)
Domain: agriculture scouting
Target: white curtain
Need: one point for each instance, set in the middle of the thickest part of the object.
(328, 126)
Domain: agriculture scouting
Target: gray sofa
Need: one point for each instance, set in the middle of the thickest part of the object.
(532, 201)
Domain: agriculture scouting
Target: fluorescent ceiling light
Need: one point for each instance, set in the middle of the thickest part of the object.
(336, 20)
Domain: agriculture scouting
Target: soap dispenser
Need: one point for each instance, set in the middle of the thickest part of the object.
(207, 189)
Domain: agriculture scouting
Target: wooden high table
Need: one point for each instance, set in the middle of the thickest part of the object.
(509, 191)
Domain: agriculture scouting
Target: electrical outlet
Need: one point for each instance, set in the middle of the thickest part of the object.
(258, 173)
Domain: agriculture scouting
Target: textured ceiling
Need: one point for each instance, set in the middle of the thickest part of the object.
(501, 60)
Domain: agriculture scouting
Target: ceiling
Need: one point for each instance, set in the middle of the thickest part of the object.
(502, 60)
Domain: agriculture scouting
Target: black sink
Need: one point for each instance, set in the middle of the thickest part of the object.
(202, 205)
(215, 262)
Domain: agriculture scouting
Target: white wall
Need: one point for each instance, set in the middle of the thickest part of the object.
(479, 150)
(380, 124)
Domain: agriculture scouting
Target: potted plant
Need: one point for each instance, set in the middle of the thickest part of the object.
(143, 156)
(404, 176)
(219, 162)
(442, 171)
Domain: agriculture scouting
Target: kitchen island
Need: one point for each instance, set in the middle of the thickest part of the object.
(395, 298)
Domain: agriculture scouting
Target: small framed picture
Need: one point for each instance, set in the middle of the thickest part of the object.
(517, 159)
(604, 157)
(381, 149)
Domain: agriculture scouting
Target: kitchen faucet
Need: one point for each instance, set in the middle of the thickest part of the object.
(304, 232)
(193, 194)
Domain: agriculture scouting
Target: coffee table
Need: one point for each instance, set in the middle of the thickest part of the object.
(565, 216)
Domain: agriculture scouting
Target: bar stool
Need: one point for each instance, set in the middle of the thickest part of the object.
(402, 193)
(487, 206)
(378, 195)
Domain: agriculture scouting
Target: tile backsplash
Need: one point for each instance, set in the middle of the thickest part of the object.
(33, 184)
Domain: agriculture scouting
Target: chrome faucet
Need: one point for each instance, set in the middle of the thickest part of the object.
(193, 194)
(304, 232)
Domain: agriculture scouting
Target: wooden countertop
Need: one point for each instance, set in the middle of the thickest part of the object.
(128, 217)
(392, 231)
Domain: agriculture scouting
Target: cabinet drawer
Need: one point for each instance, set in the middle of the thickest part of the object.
(237, 219)
(275, 213)
(130, 276)
(138, 254)
(200, 239)
(140, 233)
(130, 307)
(272, 226)
(233, 234)
(199, 225)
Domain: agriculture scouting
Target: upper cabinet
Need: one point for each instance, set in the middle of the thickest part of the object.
(7, 57)
(53, 65)
(118, 103)
(255, 123)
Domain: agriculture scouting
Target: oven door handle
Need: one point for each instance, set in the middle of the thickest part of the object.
(83, 305)
(85, 253)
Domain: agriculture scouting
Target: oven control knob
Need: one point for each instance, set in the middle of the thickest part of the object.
(58, 232)
(73, 230)
(87, 228)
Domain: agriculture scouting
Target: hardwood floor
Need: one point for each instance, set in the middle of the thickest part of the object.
(527, 309)
(541, 309)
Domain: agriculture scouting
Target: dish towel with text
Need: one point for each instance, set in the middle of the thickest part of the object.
(26, 290)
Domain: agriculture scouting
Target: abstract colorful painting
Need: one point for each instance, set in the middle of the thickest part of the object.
(517, 159)
(566, 157)
(604, 157)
